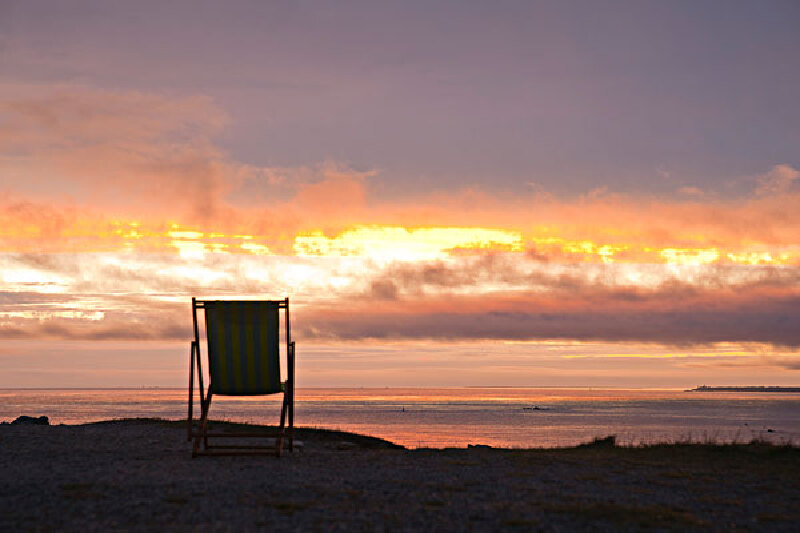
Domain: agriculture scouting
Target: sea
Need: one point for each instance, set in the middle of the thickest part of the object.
(509, 417)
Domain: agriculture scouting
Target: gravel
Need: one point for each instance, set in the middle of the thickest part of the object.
(140, 476)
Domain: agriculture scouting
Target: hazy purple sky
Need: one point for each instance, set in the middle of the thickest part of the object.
(568, 96)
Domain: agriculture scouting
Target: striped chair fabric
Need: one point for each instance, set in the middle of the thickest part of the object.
(243, 347)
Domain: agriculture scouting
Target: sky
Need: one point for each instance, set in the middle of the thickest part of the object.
(565, 193)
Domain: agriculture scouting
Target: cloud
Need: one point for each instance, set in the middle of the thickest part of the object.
(77, 157)
(93, 183)
(74, 158)
(747, 361)
(76, 316)
(73, 330)
(691, 191)
(57, 116)
(508, 273)
(778, 180)
(125, 150)
(740, 321)
(494, 296)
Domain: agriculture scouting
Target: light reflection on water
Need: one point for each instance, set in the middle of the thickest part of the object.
(459, 416)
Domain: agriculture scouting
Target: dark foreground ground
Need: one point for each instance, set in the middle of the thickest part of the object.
(139, 475)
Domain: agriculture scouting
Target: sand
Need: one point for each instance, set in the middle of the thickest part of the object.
(132, 475)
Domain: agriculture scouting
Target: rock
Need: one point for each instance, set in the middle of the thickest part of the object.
(600, 442)
(31, 421)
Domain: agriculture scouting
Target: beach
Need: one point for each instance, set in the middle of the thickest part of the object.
(139, 475)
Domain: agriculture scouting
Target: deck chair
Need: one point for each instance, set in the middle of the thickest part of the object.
(243, 360)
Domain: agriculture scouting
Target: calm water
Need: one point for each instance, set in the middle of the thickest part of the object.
(459, 416)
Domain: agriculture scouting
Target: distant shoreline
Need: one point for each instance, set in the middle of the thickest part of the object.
(750, 388)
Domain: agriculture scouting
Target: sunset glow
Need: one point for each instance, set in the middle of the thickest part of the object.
(471, 211)
(387, 243)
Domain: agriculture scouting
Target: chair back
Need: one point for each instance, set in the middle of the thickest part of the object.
(243, 352)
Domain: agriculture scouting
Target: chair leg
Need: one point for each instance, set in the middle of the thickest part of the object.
(283, 411)
(282, 431)
(290, 362)
(291, 422)
(205, 418)
(191, 394)
(203, 429)
(196, 443)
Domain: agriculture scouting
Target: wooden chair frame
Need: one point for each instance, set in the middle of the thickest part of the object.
(201, 433)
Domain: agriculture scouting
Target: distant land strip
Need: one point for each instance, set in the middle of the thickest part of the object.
(750, 388)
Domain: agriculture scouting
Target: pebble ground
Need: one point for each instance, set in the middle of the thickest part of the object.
(140, 476)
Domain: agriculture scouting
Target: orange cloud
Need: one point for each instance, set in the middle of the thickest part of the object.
(110, 194)
(122, 151)
(76, 161)
(778, 180)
